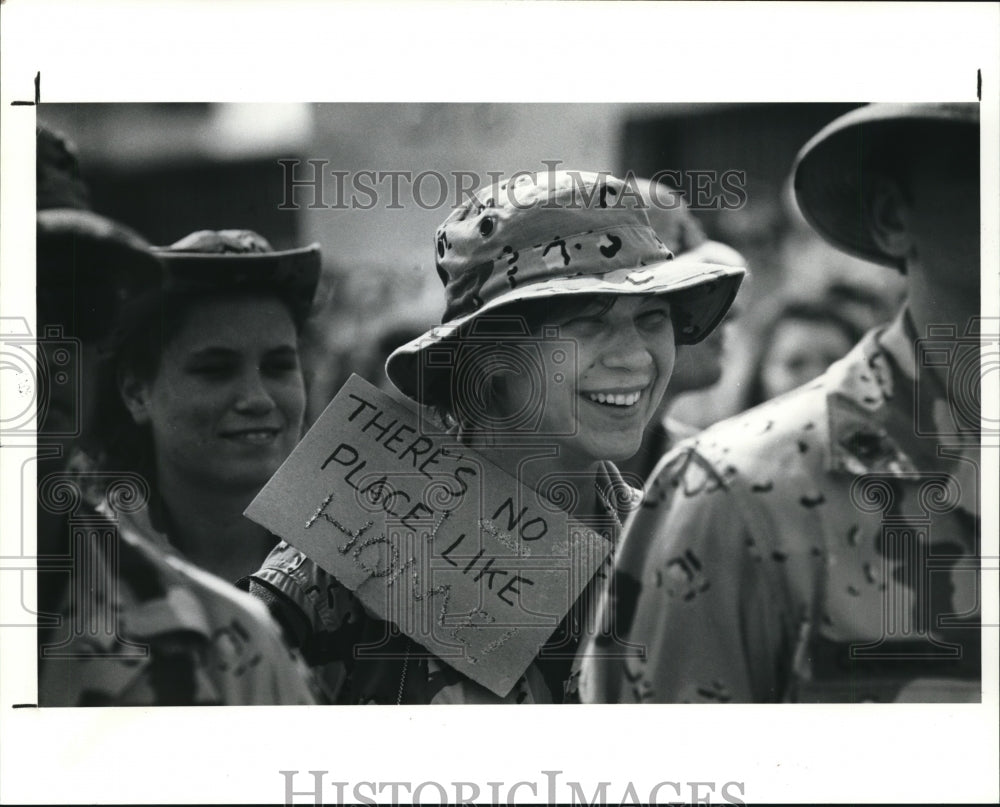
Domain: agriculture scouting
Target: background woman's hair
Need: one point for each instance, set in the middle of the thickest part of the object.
(793, 311)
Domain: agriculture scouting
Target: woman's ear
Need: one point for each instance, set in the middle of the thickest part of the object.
(135, 395)
(888, 220)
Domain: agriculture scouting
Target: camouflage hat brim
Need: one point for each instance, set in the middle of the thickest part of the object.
(293, 274)
(700, 293)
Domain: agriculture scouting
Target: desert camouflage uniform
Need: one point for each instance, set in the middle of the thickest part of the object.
(821, 547)
(142, 626)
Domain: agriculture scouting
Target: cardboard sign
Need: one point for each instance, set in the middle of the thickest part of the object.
(430, 535)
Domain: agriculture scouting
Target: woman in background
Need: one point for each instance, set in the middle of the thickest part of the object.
(124, 619)
(799, 342)
(204, 394)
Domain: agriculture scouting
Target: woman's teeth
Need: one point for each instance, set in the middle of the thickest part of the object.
(258, 437)
(620, 399)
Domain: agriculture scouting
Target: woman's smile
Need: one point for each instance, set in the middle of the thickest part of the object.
(615, 398)
(259, 436)
(226, 405)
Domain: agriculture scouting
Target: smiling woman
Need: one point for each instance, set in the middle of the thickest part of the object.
(207, 370)
(562, 313)
(624, 357)
(225, 404)
(597, 375)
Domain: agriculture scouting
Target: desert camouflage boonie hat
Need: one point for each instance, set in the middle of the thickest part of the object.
(560, 233)
(214, 260)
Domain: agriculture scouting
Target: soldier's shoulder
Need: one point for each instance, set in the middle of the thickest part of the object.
(775, 437)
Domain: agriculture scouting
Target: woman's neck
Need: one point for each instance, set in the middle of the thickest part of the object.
(208, 526)
(550, 471)
(940, 304)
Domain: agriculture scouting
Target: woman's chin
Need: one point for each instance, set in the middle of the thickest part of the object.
(610, 450)
(242, 476)
(623, 454)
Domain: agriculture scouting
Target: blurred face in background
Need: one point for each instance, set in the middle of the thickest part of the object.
(700, 366)
(226, 403)
(800, 351)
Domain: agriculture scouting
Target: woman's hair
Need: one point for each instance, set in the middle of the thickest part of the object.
(463, 392)
(145, 327)
(796, 311)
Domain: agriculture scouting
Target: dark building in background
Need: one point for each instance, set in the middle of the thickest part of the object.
(166, 202)
(166, 171)
(760, 140)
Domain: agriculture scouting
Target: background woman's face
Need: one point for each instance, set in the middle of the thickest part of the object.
(624, 357)
(800, 351)
(227, 402)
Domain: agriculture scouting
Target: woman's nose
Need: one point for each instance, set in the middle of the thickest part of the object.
(254, 396)
(627, 351)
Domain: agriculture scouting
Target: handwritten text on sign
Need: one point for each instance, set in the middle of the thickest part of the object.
(430, 535)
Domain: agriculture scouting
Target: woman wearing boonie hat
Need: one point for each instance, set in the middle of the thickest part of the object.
(562, 313)
(132, 623)
(204, 393)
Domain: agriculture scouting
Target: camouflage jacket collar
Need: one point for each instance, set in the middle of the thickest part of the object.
(861, 389)
(615, 496)
(885, 415)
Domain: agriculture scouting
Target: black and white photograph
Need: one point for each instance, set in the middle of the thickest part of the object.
(476, 437)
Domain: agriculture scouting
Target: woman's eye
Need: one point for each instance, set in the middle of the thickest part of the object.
(583, 323)
(796, 363)
(281, 366)
(653, 320)
(211, 370)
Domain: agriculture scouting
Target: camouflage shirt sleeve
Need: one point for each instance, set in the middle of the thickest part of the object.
(319, 615)
(706, 619)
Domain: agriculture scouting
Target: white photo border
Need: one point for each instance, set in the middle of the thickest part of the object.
(504, 52)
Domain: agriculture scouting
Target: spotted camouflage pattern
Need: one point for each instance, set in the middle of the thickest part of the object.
(813, 549)
(183, 636)
(559, 233)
